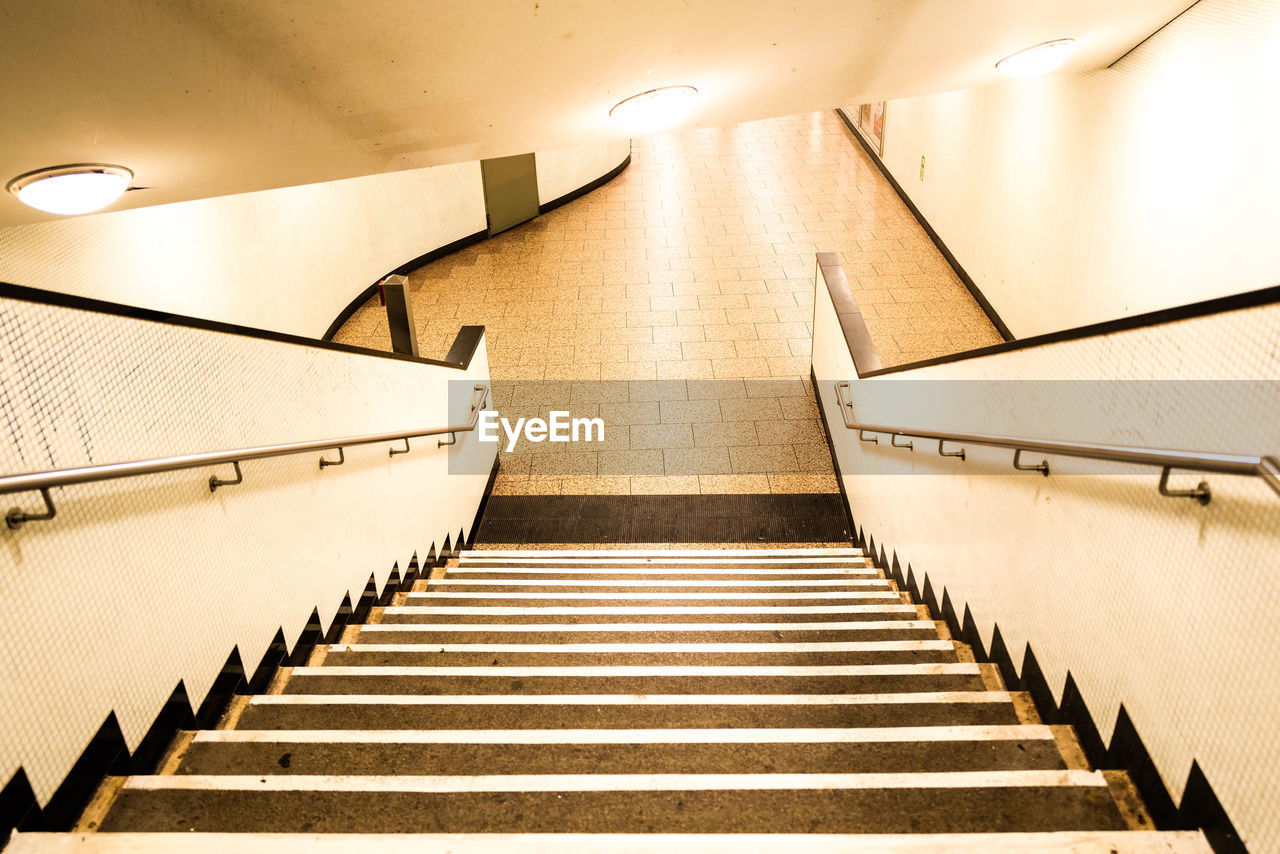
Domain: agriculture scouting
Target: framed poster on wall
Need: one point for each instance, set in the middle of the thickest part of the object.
(870, 123)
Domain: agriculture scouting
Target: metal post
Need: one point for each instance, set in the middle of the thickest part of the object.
(404, 335)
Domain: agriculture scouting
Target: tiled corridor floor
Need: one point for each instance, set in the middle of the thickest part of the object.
(676, 303)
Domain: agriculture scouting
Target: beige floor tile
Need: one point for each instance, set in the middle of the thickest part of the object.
(734, 484)
(690, 411)
(750, 409)
(594, 485)
(632, 463)
(764, 459)
(787, 431)
(725, 434)
(659, 436)
(697, 461)
(802, 483)
(664, 485)
(813, 459)
(691, 369)
(566, 463)
(681, 269)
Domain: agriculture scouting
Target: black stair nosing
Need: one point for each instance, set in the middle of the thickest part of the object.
(514, 715)
(283, 755)
(395, 618)
(459, 634)
(954, 810)
(538, 658)
(1126, 752)
(526, 684)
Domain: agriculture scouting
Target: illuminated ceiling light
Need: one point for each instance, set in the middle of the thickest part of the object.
(75, 189)
(1037, 60)
(655, 110)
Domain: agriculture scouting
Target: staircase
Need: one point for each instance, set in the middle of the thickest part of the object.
(631, 701)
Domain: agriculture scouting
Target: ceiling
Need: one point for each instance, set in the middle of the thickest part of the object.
(209, 97)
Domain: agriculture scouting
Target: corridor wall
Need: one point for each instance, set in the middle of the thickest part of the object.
(1076, 198)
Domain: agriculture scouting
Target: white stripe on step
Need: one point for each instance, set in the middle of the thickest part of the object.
(657, 553)
(1055, 842)
(496, 610)
(618, 782)
(865, 625)
(657, 582)
(675, 647)
(914, 698)
(647, 670)
(647, 572)
(711, 594)
(807, 735)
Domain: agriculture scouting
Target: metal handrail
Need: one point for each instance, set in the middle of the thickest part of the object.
(1267, 468)
(43, 481)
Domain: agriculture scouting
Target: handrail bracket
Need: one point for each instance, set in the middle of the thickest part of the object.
(942, 453)
(215, 481)
(1042, 467)
(342, 458)
(391, 452)
(17, 517)
(1201, 493)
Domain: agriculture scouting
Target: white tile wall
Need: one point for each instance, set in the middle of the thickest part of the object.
(1160, 604)
(139, 583)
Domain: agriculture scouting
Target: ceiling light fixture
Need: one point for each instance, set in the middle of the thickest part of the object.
(654, 110)
(74, 189)
(1037, 60)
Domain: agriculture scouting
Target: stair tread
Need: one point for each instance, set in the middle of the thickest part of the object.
(594, 751)
(1061, 842)
(876, 802)
(596, 710)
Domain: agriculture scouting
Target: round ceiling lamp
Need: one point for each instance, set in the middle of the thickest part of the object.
(656, 109)
(1037, 60)
(74, 189)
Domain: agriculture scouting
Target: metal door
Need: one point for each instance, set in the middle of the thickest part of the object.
(510, 191)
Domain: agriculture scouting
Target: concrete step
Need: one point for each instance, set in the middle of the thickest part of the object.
(867, 630)
(687, 598)
(991, 801)
(1063, 842)
(613, 751)
(684, 613)
(626, 711)
(636, 679)
(645, 573)
(633, 653)
(701, 557)
(671, 586)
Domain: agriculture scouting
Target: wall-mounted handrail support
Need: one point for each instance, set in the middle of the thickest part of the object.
(16, 517)
(943, 453)
(453, 440)
(1265, 467)
(893, 440)
(215, 481)
(391, 452)
(1201, 493)
(862, 434)
(342, 458)
(1042, 466)
(43, 481)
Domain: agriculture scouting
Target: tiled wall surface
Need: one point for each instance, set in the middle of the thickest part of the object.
(139, 583)
(1158, 603)
(694, 266)
(1077, 198)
